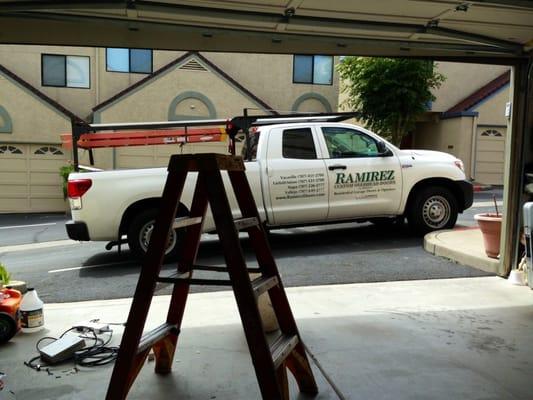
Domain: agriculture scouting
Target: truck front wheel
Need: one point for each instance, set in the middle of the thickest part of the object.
(433, 208)
(140, 232)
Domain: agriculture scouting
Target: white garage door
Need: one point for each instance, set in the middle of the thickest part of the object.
(490, 148)
(29, 178)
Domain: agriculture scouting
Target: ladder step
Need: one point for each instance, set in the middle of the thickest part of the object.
(263, 283)
(245, 223)
(154, 336)
(196, 267)
(282, 347)
(182, 222)
(173, 278)
(184, 278)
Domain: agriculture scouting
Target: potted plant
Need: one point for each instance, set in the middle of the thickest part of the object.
(5, 280)
(490, 225)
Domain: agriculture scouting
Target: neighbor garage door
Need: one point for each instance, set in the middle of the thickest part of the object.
(490, 149)
(29, 178)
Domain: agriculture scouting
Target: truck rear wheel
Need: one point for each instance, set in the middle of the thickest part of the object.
(433, 208)
(140, 232)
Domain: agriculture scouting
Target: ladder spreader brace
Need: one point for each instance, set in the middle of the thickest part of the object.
(270, 358)
(87, 136)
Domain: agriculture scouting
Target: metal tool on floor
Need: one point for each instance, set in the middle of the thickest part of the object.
(270, 360)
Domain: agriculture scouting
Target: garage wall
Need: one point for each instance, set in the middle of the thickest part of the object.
(452, 135)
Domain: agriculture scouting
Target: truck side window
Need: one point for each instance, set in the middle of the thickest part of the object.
(298, 143)
(344, 142)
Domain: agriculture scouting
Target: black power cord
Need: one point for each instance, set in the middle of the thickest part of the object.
(94, 355)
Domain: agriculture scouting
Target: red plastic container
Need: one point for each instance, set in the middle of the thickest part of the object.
(9, 313)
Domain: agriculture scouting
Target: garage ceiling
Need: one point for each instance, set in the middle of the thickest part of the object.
(443, 28)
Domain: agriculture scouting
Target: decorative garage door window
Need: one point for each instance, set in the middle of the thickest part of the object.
(10, 150)
(492, 132)
(49, 150)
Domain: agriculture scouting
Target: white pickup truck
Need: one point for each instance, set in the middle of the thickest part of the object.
(300, 174)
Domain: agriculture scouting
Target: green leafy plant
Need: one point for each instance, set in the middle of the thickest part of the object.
(5, 276)
(64, 172)
(389, 93)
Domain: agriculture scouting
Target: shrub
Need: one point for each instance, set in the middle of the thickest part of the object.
(5, 276)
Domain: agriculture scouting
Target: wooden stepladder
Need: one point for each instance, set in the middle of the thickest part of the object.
(270, 359)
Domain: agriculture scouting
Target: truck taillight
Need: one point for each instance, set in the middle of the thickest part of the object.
(78, 187)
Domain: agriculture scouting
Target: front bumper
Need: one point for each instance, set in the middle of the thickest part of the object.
(77, 231)
(467, 190)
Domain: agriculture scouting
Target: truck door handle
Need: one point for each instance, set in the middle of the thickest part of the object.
(333, 167)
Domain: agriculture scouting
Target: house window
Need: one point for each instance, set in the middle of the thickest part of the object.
(317, 70)
(10, 150)
(49, 150)
(65, 71)
(491, 132)
(129, 60)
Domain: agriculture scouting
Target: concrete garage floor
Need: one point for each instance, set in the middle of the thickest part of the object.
(466, 338)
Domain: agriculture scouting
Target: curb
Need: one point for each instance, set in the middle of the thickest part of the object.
(447, 244)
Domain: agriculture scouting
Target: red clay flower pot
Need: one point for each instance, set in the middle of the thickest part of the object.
(490, 225)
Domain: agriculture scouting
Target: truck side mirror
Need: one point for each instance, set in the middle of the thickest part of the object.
(382, 149)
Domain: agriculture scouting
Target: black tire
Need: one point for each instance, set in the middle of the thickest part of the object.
(140, 230)
(8, 327)
(432, 208)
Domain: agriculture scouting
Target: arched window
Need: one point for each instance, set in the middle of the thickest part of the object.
(6, 125)
(492, 133)
(10, 150)
(191, 105)
(49, 150)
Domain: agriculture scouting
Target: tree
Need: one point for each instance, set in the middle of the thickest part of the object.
(389, 93)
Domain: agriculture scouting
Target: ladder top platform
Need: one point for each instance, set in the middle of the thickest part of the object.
(206, 162)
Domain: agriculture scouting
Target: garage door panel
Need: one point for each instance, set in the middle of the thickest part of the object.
(490, 146)
(47, 204)
(12, 164)
(8, 178)
(15, 190)
(14, 204)
(46, 191)
(490, 167)
(40, 178)
(46, 165)
(491, 156)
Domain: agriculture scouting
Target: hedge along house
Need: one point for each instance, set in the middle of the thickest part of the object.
(129, 85)
(468, 119)
(30, 150)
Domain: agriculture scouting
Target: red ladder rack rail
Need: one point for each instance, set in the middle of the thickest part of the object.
(90, 136)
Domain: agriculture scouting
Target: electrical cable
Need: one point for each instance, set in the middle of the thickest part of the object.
(95, 354)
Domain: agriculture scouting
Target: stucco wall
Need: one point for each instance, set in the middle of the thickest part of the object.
(25, 61)
(270, 78)
(461, 80)
(157, 96)
(453, 136)
(33, 120)
(492, 110)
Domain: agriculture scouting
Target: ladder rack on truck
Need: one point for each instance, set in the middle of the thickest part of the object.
(88, 136)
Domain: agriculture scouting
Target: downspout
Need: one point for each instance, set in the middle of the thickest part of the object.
(473, 148)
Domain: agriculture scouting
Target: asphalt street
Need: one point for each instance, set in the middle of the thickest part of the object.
(35, 249)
